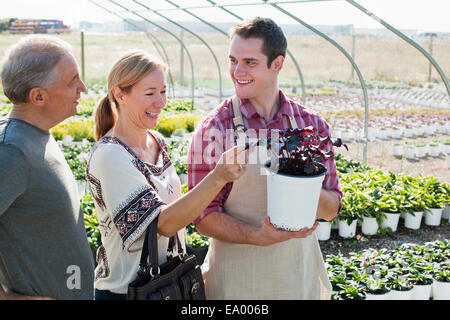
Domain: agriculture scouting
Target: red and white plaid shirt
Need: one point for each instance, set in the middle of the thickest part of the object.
(214, 135)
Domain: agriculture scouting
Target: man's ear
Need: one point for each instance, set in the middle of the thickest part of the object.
(277, 63)
(38, 96)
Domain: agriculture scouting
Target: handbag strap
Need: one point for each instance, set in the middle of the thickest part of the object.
(150, 240)
(150, 251)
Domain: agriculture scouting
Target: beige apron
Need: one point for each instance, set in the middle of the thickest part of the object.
(292, 269)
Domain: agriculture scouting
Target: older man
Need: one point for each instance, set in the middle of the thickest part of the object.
(43, 246)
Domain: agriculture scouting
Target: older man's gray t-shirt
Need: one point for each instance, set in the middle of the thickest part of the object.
(43, 244)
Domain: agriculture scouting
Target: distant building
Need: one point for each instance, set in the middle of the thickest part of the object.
(29, 26)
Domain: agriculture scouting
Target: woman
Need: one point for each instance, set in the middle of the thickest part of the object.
(131, 177)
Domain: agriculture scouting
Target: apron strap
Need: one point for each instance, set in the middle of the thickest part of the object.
(239, 131)
(239, 123)
(237, 120)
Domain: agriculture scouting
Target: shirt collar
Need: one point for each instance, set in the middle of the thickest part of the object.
(248, 110)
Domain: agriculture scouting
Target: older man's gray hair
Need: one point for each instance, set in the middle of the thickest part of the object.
(30, 63)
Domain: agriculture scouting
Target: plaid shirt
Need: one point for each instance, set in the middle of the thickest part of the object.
(215, 135)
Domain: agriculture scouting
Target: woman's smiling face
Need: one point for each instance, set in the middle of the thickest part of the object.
(146, 99)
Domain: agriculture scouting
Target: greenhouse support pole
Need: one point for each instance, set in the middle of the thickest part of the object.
(152, 38)
(82, 58)
(407, 39)
(195, 35)
(431, 54)
(173, 35)
(358, 72)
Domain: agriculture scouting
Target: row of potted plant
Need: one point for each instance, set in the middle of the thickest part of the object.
(421, 148)
(410, 272)
(394, 126)
(378, 199)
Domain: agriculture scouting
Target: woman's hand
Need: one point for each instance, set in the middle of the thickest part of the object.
(231, 165)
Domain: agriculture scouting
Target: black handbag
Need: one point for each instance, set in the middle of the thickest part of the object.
(180, 278)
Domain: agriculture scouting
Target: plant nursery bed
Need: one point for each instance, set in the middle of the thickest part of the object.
(391, 240)
(380, 156)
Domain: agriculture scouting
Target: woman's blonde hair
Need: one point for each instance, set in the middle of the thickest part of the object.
(126, 72)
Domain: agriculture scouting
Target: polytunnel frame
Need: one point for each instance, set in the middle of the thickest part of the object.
(173, 35)
(148, 34)
(274, 4)
(194, 34)
(407, 39)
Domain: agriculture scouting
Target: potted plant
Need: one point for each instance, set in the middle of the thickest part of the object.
(370, 219)
(294, 176)
(349, 214)
(446, 145)
(422, 283)
(351, 290)
(435, 196)
(377, 289)
(421, 151)
(409, 151)
(414, 205)
(435, 148)
(441, 287)
(401, 287)
(397, 149)
(323, 230)
(409, 131)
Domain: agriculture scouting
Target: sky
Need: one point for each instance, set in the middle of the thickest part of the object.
(423, 15)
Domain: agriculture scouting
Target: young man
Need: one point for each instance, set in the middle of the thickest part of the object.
(248, 257)
(43, 245)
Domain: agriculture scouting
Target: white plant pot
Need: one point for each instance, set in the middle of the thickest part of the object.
(384, 296)
(413, 221)
(345, 136)
(410, 153)
(347, 231)
(421, 292)
(435, 151)
(391, 221)
(419, 131)
(292, 201)
(446, 212)
(409, 132)
(400, 295)
(446, 148)
(396, 134)
(82, 187)
(323, 230)
(334, 224)
(369, 226)
(420, 152)
(429, 129)
(433, 217)
(397, 150)
(183, 178)
(441, 290)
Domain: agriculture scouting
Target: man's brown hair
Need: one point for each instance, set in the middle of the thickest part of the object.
(274, 41)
